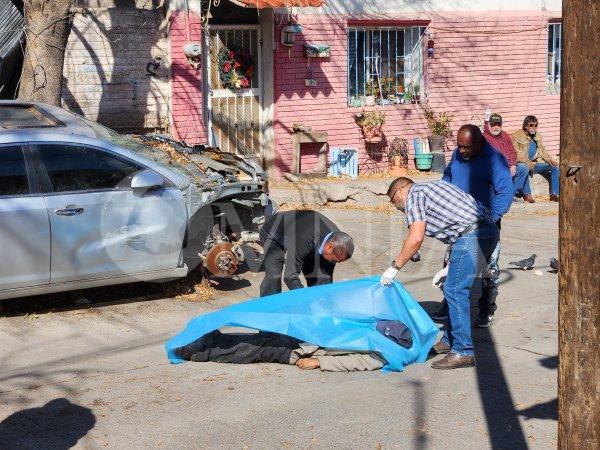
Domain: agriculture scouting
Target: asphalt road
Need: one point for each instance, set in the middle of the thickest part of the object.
(94, 375)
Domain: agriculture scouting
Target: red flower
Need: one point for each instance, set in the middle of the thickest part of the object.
(250, 72)
(231, 54)
(227, 67)
(236, 65)
(245, 82)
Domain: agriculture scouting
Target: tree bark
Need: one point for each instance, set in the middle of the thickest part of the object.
(48, 25)
(579, 279)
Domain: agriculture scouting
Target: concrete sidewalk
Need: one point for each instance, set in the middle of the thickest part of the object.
(371, 193)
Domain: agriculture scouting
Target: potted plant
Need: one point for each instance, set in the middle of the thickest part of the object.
(439, 126)
(371, 91)
(371, 124)
(398, 157)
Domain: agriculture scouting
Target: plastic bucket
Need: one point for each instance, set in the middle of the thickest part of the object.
(423, 161)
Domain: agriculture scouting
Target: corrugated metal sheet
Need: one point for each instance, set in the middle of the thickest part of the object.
(11, 27)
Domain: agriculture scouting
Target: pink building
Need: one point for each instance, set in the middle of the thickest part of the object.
(464, 59)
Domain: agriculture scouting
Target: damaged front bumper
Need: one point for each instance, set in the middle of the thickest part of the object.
(227, 200)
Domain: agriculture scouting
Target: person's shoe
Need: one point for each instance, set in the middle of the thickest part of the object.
(484, 321)
(528, 198)
(454, 361)
(440, 315)
(440, 348)
(554, 198)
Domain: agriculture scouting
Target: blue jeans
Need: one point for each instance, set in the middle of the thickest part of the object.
(469, 255)
(521, 180)
(548, 171)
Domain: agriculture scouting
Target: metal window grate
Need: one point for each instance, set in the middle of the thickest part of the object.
(554, 53)
(384, 62)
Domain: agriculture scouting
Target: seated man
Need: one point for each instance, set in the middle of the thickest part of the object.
(305, 242)
(533, 158)
(267, 347)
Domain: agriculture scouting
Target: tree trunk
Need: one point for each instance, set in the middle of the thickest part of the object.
(579, 279)
(48, 25)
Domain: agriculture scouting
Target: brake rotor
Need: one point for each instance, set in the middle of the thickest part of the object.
(221, 261)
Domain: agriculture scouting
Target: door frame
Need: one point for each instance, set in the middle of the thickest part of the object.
(207, 88)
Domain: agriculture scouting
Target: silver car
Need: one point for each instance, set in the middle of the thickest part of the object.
(82, 206)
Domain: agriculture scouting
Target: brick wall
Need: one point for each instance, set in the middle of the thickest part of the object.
(481, 59)
(117, 68)
(186, 102)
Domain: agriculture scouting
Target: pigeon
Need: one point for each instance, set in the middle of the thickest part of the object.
(416, 257)
(554, 265)
(526, 263)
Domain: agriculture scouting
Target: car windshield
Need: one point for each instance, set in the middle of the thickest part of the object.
(135, 144)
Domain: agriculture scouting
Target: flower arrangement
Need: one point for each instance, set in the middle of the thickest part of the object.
(371, 123)
(439, 125)
(399, 149)
(236, 68)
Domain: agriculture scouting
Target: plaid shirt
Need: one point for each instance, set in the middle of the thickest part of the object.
(446, 210)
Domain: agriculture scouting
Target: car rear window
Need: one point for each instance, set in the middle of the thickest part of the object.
(13, 174)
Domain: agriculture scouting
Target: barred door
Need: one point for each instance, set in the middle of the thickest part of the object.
(235, 94)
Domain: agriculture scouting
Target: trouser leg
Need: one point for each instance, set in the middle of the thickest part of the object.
(468, 256)
(491, 281)
(521, 180)
(274, 257)
(245, 348)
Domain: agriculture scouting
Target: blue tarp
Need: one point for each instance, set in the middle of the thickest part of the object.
(337, 316)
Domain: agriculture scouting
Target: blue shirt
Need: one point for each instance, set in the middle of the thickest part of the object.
(487, 178)
(325, 239)
(446, 210)
(532, 149)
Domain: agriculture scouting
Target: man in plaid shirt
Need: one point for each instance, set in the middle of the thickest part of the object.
(441, 210)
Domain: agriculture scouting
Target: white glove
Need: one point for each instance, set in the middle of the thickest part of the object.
(388, 276)
(440, 277)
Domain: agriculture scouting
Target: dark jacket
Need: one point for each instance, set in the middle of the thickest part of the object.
(301, 234)
(503, 143)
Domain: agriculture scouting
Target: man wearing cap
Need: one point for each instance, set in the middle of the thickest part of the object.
(501, 141)
(441, 210)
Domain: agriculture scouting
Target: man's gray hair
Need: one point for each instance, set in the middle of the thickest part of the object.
(343, 244)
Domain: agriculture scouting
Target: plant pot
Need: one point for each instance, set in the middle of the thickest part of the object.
(372, 135)
(437, 143)
(423, 161)
(398, 171)
(369, 100)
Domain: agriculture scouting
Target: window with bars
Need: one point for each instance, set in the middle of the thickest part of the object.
(554, 53)
(385, 65)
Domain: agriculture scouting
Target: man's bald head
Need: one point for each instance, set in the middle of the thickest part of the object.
(470, 141)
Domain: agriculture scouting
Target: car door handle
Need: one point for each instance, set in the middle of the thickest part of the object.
(69, 210)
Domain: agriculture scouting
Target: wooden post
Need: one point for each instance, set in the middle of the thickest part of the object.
(579, 224)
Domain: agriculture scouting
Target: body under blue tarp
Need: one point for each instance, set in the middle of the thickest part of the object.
(335, 316)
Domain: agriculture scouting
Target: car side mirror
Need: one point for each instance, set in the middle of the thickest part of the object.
(146, 180)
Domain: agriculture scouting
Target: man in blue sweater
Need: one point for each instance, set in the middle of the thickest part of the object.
(482, 171)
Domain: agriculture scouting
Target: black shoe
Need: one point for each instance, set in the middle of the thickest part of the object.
(484, 321)
(441, 315)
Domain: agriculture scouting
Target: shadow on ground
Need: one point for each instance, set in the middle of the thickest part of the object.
(59, 424)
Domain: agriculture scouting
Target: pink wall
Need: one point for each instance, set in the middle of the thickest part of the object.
(500, 62)
(186, 90)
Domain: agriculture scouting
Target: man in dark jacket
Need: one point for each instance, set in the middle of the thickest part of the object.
(306, 242)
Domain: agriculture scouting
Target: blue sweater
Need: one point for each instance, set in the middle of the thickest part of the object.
(487, 178)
